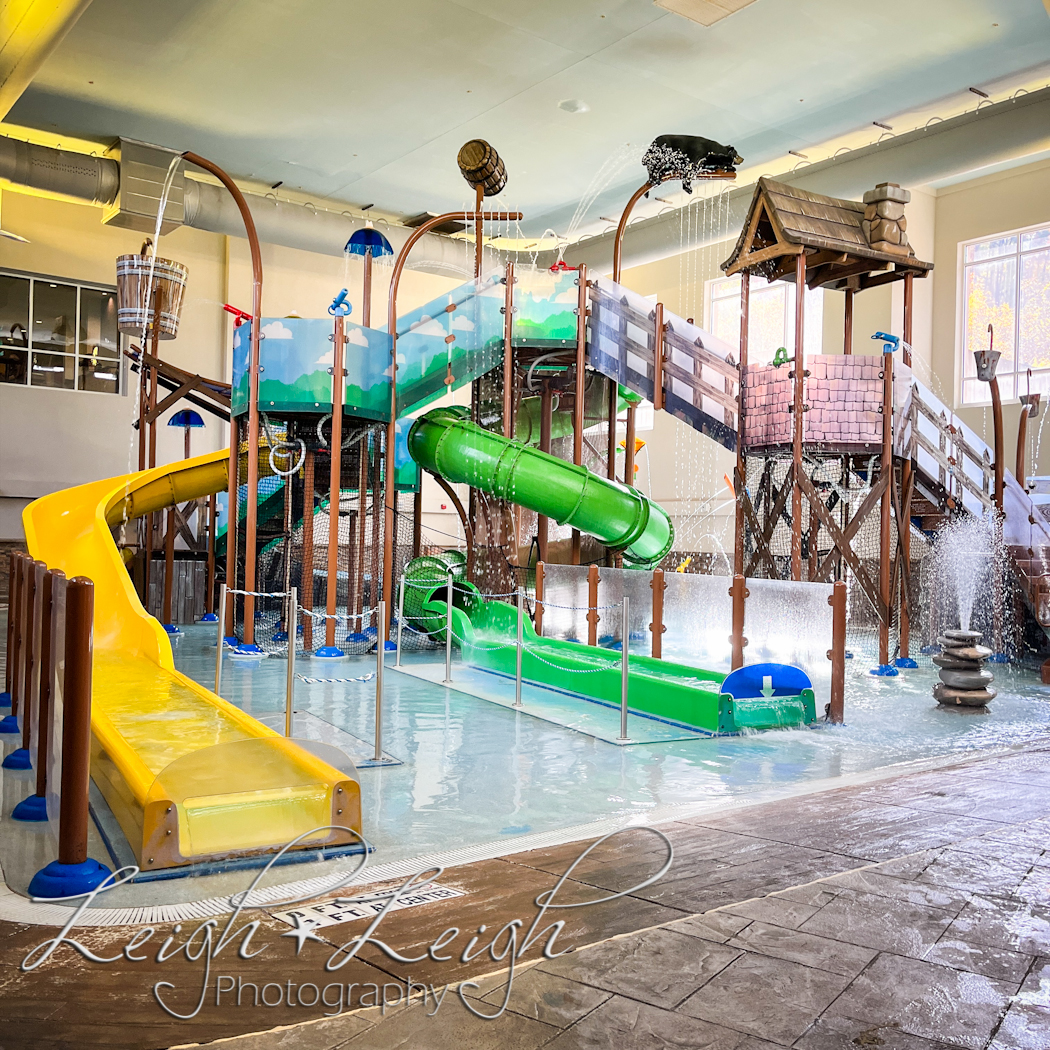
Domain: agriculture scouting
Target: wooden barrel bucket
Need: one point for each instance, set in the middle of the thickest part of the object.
(481, 166)
(133, 311)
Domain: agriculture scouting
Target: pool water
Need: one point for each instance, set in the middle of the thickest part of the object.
(477, 772)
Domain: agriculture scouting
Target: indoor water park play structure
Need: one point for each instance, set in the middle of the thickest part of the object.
(332, 423)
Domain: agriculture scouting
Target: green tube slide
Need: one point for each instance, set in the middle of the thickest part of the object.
(446, 442)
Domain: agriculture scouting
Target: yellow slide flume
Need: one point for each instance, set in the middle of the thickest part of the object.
(188, 776)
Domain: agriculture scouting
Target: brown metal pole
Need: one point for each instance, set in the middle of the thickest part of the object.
(232, 501)
(622, 225)
(14, 626)
(658, 357)
(508, 355)
(378, 465)
(151, 404)
(45, 682)
(29, 642)
(847, 336)
(417, 520)
(1028, 408)
(9, 652)
(886, 508)
(306, 584)
(546, 413)
(479, 229)
(738, 592)
(905, 592)
(169, 565)
(837, 654)
(997, 432)
(252, 511)
(537, 617)
(395, 280)
(143, 408)
(909, 290)
(76, 722)
(740, 479)
(209, 594)
(366, 291)
(592, 605)
(335, 477)
(362, 519)
(658, 585)
(628, 445)
(798, 409)
(578, 423)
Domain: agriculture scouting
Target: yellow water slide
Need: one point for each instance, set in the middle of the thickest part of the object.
(188, 776)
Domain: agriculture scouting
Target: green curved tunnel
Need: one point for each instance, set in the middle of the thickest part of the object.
(446, 442)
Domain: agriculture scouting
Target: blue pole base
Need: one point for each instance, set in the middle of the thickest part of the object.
(281, 636)
(32, 808)
(906, 662)
(172, 629)
(209, 618)
(849, 655)
(232, 641)
(329, 652)
(5, 699)
(68, 880)
(885, 671)
(247, 650)
(18, 759)
(389, 646)
(9, 724)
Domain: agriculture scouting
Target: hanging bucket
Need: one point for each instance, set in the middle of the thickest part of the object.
(169, 282)
(481, 166)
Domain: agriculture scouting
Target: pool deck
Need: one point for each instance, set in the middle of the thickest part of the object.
(909, 914)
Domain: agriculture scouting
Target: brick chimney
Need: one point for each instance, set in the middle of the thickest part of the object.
(884, 223)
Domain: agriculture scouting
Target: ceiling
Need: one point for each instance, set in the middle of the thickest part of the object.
(358, 102)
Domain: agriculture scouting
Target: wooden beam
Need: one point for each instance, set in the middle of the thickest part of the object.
(824, 569)
(774, 251)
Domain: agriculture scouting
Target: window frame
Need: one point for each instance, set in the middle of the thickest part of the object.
(962, 305)
(76, 355)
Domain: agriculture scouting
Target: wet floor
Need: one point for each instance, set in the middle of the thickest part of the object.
(475, 771)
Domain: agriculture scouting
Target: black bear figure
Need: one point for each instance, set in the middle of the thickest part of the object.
(687, 157)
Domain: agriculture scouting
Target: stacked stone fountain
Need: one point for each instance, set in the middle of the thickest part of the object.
(964, 680)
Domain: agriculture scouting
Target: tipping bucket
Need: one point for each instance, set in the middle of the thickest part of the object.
(481, 166)
(133, 311)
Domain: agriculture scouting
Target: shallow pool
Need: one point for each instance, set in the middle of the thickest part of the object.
(475, 771)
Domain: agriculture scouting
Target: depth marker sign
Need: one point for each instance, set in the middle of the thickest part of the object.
(367, 906)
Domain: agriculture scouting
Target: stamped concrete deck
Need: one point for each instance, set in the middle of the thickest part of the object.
(912, 914)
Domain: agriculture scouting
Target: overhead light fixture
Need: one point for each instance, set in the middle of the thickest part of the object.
(703, 12)
(605, 218)
(978, 91)
(574, 105)
(885, 127)
(795, 153)
(663, 200)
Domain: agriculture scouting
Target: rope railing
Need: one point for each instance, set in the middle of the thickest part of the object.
(335, 681)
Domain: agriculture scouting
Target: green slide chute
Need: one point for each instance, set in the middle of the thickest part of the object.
(446, 442)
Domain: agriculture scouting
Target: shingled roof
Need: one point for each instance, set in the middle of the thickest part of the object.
(784, 221)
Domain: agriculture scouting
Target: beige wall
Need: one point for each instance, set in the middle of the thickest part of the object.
(982, 207)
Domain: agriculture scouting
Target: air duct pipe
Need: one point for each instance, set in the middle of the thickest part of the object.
(92, 179)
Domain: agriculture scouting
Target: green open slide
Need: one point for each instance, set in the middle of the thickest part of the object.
(763, 696)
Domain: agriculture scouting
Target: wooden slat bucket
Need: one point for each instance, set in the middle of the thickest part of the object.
(133, 311)
(481, 166)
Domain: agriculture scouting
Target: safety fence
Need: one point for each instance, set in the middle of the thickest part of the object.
(48, 689)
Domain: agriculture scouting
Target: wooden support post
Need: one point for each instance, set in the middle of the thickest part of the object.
(658, 357)
(417, 520)
(798, 407)
(628, 445)
(997, 439)
(76, 722)
(537, 616)
(907, 485)
(383, 487)
(740, 474)
(847, 335)
(151, 460)
(30, 657)
(363, 497)
(578, 424)
(335, 477)
(306, 583)
(837, 652)
(738, 592)
(14, 579)
(657, 627)
(592, 605)
(886, 469)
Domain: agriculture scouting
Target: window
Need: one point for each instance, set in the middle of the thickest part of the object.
(771, 316)
(1005, 283)
(58, 334)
